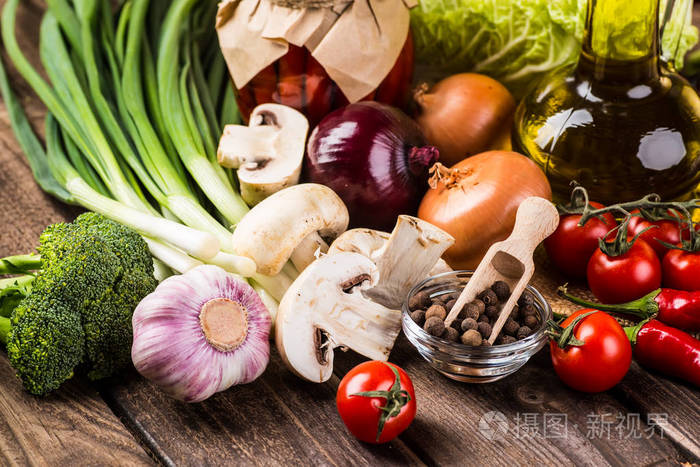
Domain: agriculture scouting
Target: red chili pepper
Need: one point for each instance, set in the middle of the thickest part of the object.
(666, 349)
(676, 308)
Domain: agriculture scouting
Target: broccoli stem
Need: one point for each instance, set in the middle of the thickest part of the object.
(5, 326)
(20, 264)
(17, 281)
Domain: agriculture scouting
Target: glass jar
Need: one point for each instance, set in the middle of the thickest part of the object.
(466, 363)
(298, 80)
(620, 121)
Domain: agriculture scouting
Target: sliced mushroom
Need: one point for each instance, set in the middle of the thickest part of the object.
(292, 223)
(405, 257)
(267, 153)
(326, 308)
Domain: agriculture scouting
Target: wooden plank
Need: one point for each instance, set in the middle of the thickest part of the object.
(447, 427)
(273, 421)
(675, 401)
(72, 426)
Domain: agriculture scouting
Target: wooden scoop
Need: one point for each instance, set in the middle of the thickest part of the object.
(511, 260)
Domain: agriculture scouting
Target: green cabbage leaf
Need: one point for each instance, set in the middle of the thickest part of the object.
(517, 41)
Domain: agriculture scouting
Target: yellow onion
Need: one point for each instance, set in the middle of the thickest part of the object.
(465, 114)
(476, 200)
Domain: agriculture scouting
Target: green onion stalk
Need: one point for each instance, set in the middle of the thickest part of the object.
(132, 135)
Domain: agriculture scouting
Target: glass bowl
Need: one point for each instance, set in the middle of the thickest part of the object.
(466, 363)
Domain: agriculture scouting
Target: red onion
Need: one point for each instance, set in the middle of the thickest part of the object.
(375, 158)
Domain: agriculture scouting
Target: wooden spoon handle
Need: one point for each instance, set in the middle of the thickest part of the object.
(536, 219)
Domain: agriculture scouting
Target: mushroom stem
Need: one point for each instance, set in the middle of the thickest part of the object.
(305, 253)
(252, 145)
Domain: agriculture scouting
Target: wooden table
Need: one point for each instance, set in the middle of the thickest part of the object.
(528, 418)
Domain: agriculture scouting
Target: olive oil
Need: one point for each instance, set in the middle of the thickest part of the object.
(619, 122)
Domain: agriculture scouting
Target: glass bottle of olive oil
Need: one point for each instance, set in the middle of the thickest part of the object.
(620, 122)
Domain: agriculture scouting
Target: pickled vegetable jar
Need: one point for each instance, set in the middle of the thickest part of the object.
(298, 80)
(621, 121)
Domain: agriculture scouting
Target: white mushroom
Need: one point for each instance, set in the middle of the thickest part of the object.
(326, 308)
(267, 153)
(290, 224)
(405, 257)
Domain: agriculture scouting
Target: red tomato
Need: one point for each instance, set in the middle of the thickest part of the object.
(664, 230)
(362, 413)
(603, 359)
(570, 246)
(626, 277)
(681, 270)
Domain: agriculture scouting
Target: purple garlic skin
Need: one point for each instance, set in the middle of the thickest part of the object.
(200, 333)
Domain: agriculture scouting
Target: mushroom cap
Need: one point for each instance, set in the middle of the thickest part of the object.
(325, 308)
(268, 153)
(271, 231)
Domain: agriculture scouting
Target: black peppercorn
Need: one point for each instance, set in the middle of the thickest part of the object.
(484, 329)
(526, 299)
(523, 332)
(489, 297)
(434, 326)
(471, 337)
(418, 316)
(511, 327)
(436, 310)
(501, 289)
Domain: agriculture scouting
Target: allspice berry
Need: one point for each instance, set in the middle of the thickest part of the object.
(523, 332)
(480, 305)
(531, 321)
(528, 310)
(434, 326)
(436, 310)
(483, 319)
(451, 334)
(485, 343)
(471, 310)
(468, 323)
(457, 324)
(511, 327)
(502, 290)
(471, 337)
(450, 304)
(526, 299)
(418, 316)
(484, 329)
(489, 297)
(508, 340)
(492, 312)
(419, 300)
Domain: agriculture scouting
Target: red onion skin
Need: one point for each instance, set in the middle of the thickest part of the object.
(375, 158)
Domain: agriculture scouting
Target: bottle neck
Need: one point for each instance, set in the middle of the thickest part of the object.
(621, 41)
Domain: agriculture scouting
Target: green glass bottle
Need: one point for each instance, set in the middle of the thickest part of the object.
(620, 122)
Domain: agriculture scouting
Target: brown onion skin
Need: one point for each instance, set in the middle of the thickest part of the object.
(479, 209)
(465, 114)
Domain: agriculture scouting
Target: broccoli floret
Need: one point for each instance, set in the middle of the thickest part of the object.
(45, 343)
(78, 311)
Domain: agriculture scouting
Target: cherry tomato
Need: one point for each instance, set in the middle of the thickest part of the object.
(681, 270)
(601, 361)
(365, 391)
(626, 277)
(665, 230)
(570, 246)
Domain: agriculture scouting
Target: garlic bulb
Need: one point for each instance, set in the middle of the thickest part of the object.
(200, 333)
